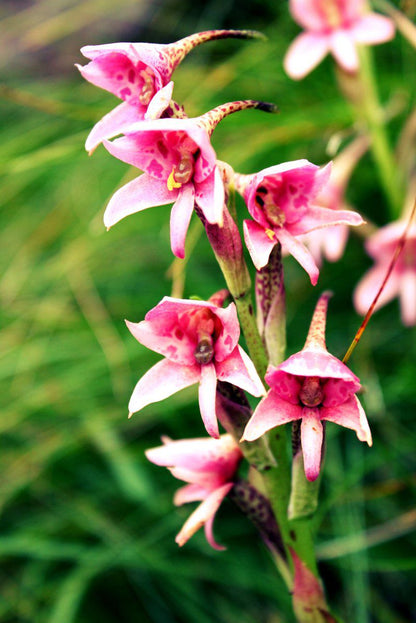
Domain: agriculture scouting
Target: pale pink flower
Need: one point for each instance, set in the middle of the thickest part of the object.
(139, 74)
(200, 344)
(179, 165)
(402, 281)
(312, 386)
(334, 26)
(209, 466)
(329, 243)
(282, 201)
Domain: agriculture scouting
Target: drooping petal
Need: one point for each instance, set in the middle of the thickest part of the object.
(189, 493)
(115, 122)
(159, 102)
(139, 194)
(202, 454)
(162, 380)
(259, 244)
(271, 411)
(296, 248)
(318, 217)
(239, 370)
(344, 50)
(408, 296)
(351, 415)
(207, 393)
(373, 28)
(180, 217)
(202, 514)
(209, 195)
(304, 54)
(311, 432)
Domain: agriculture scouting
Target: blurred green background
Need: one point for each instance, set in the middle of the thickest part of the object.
(87, 526)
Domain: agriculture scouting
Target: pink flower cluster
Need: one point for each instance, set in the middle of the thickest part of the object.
(198, 340)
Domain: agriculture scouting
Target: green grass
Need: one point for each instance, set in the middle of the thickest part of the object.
(87, 525)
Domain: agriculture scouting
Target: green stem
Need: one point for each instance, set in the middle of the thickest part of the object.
(372, 112)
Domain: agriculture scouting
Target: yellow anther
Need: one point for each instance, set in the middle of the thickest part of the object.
(172, 183)
(270, 233)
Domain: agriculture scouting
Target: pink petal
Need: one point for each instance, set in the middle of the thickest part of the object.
(373, 28)
(228, 339)
(162, 380)
(189, 493)
(209, 195)
(258, 243)
(310, 362)
(207, 393)
(350, 415)
(408, 296)
(139, 194)
(304, 54)
(239, 370)
(317, 217)
(334, 240)
(115, 122)
(159, 102)
(202, 515)
(308, 14)
(272, 411)
(163, 335)
(311, 432)
(343, 48)
(203, 454)
(299, 252)
(369, 285)
(285, 385)
(180, 217)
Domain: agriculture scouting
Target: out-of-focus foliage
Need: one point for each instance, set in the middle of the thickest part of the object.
(87, 525)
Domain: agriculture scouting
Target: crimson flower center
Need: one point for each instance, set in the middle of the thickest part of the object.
(274, 214)
(311, 393)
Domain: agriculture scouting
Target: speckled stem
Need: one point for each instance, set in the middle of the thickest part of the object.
(211, 119)
(178, 50)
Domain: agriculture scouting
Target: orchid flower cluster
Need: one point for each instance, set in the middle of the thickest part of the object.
(292, 208)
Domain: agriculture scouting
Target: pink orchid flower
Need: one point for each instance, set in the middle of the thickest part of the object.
(209, 466)
(330, 242)
(139, 74)
(402, 281)
(312, 386)
(334, 26)
(179, 165)
(199, 341)
(282, 199)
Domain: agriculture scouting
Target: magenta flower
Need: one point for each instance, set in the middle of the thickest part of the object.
(200, 344)
(334, 26)
(179, 165)
(209, 466)
(282, 199)
(330, 242)
(139, 74)
(402, 281)
(311, 386)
